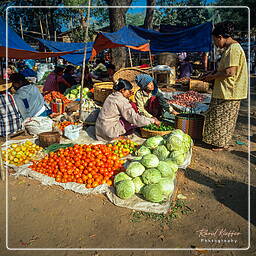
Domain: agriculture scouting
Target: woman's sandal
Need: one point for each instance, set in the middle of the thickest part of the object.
(219, 149)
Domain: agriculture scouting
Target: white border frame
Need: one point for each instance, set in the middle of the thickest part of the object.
(249, 134)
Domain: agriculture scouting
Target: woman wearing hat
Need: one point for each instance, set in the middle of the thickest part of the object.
(149, 99)
(10, 118)
(28, 98)
(117, 116)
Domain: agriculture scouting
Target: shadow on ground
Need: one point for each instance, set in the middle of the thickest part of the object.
(232, 194)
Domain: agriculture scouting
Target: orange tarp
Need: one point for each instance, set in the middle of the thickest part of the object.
(24, 54)
(102, 43)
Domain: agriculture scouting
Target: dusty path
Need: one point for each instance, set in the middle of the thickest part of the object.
(215, 185)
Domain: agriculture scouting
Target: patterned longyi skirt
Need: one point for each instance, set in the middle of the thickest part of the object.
(220, 122)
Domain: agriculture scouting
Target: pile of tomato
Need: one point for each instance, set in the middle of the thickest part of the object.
(49, 97)
(91, 165)
(64, 124)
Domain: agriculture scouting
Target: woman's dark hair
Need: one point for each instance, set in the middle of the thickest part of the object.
(111, 66)
(122, 84)
(17, 77)
(69, 68)
(224, 29)
(58, 69)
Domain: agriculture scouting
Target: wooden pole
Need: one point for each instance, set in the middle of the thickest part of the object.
(151, 63)
(130, 55)
(84, 59)
(2, 68)
(21, 28)
(41, 27)
(47, 28)
(55, 35)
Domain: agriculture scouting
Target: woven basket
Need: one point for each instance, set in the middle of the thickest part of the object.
(198, 85)
(145, 133)
(102, 90)
(130, 74)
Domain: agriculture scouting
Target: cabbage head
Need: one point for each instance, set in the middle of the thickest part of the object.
(153, 193)
(167, 169)
(135, 169)
(151, 176)
(166, 186)
(138, 184)
(121, 176)
(153, 142)
(178, 157)
(175, 142)
(150, 161)
(125, 189)
(143, 151)
(161, 152)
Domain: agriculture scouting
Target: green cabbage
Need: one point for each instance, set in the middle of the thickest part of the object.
(68, 90)
(74, 91)
(161, 152)
(153, 193)
(138, 184)
(178, 141)
(153, 142)
(167, 169)
(135, 169)
(85, 90)
(151, 176)
(166, 186)
(150, 161)
(125, 189)
(178, 157)
(121, 176)
(143, 151)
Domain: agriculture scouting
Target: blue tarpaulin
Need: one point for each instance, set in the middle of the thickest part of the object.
(191, 39)
(14, 41)
(124, 37)
(75, 58)
(17, 47)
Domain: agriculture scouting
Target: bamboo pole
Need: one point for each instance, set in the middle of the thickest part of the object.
(84, 59)
(41, 27)
(21, 29)
(55, 35)
(130, 55)
(151, 63)
(2, 68)
(47, 28)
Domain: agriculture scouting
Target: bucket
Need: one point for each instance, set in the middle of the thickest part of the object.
(48, 138)
(191, 124)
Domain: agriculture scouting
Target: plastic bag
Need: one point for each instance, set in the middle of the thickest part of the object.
(72, 132)
(36, 125)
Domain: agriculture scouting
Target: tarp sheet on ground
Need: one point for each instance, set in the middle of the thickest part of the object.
(18, 48)
(124, 37)
(75, 58)
(191, 39)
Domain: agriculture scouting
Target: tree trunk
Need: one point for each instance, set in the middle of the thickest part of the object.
(117, 21)
(148, 22)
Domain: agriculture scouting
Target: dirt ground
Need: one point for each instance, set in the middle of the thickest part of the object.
(215, 186)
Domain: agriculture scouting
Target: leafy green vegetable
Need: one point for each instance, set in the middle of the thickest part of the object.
(162, 127)
(166, 186)
(153, 193)
(150, 161)
(138, 184)
(177, 157)
(161, 152)
(121, 176)
(167, 169)
(151, 176)
(55, 147)
(135, 169)
(143, 151)
(153, 142)
(125, 189)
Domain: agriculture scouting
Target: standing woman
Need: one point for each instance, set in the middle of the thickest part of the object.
(117, 116)
(230, 87)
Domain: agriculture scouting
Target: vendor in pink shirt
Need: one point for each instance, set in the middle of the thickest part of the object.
(54, 79)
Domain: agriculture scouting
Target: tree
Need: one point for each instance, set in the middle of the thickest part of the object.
(148, 22)
(117, 21)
